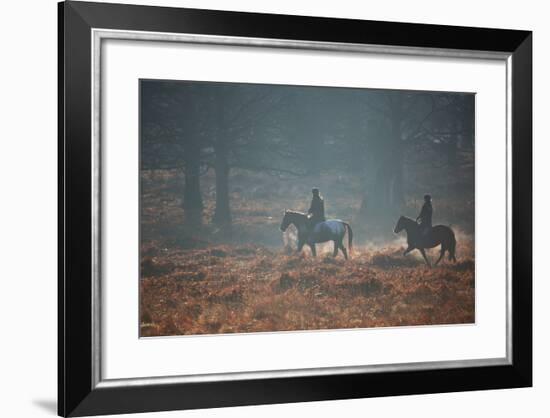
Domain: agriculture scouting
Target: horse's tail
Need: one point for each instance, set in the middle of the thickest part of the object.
(452, 247)
(350, 237)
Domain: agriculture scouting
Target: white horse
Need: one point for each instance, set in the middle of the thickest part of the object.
(329, 230)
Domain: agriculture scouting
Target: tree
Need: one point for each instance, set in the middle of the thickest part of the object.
(400, 119)
(198, 126)
(172, 131)
(245, 136)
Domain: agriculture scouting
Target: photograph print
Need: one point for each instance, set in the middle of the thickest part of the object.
(267, 208)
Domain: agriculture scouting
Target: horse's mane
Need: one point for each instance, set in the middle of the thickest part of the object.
(295, 212)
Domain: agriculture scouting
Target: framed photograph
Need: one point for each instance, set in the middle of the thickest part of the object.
(265, 208)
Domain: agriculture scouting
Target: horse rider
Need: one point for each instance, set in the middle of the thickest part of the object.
(316, 212)
(425, 216)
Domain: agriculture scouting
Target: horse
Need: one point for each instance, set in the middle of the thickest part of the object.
(439, 235)
(329, 230)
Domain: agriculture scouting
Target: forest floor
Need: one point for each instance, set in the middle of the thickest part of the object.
(228, 289)
(197, 281)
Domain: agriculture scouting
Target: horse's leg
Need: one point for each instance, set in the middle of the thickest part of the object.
(344, 251)
(335, 251)
(441, 254)
(313, 251)
(423, 252)
(408, 250)
(452, 252)
(300, 246)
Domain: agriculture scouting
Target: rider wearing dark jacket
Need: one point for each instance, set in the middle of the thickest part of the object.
(425, 216)
(316, 210)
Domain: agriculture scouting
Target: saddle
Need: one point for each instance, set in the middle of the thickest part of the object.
(330, 226)
(313, 221)
(425, 236)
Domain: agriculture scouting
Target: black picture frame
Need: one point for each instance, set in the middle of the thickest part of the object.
(77, 393)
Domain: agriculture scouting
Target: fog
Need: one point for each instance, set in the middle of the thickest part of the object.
(231, 157)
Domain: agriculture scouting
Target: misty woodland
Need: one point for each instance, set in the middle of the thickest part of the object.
(286, 208)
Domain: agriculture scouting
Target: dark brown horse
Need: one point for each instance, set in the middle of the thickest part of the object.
(439, 235)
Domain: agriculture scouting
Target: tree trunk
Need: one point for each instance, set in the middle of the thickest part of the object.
(396, 197)
(383, 188)
(365, 205)
(222, 214)
(192, 198)
(452, 151)
(387, 195)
